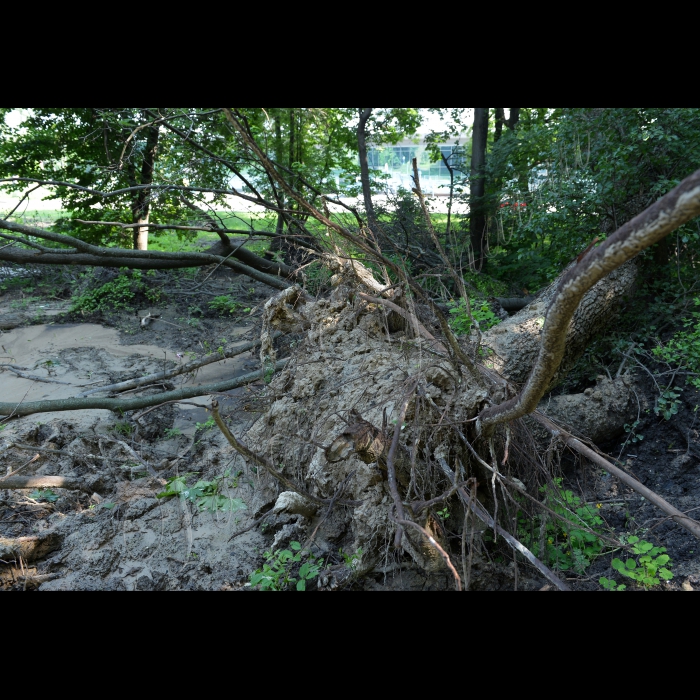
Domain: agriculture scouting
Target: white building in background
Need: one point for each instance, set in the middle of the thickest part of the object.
(396, 163)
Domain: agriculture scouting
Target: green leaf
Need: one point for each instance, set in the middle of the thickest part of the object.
(304, 570)
(301, 585)
(295, 545)
(631, 564)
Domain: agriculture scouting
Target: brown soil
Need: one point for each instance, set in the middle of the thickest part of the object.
(116, 534)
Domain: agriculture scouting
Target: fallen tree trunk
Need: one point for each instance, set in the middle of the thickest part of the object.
(81, 253)
(515, 342)
(42, 482)
(73, 404)
(169, 374)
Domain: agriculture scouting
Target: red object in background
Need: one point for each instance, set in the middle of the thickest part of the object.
(514, 205)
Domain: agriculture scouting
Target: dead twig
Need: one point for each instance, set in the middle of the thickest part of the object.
(182, 369)
(391, 457)
(676, 515)
(433, 543)
(483, 515)
(26, 464)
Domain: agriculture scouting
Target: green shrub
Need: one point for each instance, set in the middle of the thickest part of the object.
(481, 311)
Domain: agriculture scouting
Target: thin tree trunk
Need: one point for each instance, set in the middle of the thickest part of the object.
(364, 166)
(142, 203)
(514, 118)
(477, 217)
(500, 120)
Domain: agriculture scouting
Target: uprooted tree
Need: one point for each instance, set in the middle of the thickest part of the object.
(382, 414)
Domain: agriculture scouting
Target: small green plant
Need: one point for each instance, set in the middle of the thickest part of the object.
(634, 436)
(205, 495)
(651, 564)
(44, 495)
(668, 403)
(460, 322)
(269, 370)
(123, 428)
(683, 348)
(610, 584)
(351, 559)
(208, 425)
(224, 304)
(444, 513)
(24, 302)
(171, 433)
(567, 546)
(117, 294)
(276, 572)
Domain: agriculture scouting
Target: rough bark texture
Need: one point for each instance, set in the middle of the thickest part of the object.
(477, 218)
(516, 341)
(364, 165)
(599, 413)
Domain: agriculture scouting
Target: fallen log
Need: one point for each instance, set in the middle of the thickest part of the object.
(122, 405)
(42, 482)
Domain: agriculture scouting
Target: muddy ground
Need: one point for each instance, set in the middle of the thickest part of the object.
(116, 534)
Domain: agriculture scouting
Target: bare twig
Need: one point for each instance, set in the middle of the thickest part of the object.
(182, 369)
(391, 469)
(135, 403)
(42, 482)
(678, 516)
(26, 464)
(433, 543)
(483, 515)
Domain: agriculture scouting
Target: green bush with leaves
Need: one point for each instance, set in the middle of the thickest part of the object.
(205, 495)
(648, 569)
(277, 571)
(119, 293)
(460, 321)
(682, 350)
(224, 304)
(568, 545)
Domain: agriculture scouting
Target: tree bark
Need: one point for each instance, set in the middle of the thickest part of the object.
(364, 166)
(477, 186)
(515, 341)
(500, 119)
(122, 405)
(142, 202)
(142, 260)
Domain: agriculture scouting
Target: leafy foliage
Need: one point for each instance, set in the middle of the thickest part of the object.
(682, 350)
(276, 573)
(44, 495)
(460, 321)
(119, 293)
(224, 304)
(205, 495)
(650, 566)
(567, 546)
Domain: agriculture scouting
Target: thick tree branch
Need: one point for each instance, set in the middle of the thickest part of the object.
(122, 405)
(87, 254)
(671, 211)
